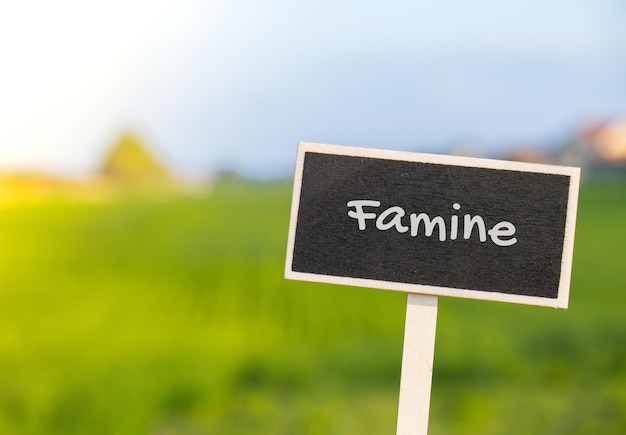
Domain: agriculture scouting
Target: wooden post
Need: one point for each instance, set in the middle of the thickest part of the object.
(417, 364)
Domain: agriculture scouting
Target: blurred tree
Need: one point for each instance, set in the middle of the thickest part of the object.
(131, 161)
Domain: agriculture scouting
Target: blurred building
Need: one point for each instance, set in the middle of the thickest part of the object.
(599, 148)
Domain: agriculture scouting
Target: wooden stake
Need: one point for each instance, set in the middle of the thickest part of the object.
(417, 364)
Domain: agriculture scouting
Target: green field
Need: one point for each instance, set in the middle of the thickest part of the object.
(171, 316)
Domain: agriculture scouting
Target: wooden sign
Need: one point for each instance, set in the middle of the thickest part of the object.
(434, 225)
(431, 226)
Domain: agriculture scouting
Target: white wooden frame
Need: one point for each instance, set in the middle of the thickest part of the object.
(568, 243)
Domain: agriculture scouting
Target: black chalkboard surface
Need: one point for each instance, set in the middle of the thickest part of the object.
(437, 225)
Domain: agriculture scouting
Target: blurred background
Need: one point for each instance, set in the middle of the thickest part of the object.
(146, 156)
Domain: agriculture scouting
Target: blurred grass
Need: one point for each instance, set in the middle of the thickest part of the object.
(171, 316)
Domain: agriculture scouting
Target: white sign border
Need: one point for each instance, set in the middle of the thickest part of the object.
(562, 299)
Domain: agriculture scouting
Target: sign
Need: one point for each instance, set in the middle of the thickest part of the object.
(434, 225)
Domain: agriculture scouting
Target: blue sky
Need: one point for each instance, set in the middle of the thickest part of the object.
(235, 84)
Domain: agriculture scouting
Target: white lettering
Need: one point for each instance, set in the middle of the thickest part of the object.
(503, 229)
(429, 225)
(501, 234)
(359, 214)
(454, 222)
(469, 225)
(396, 220)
